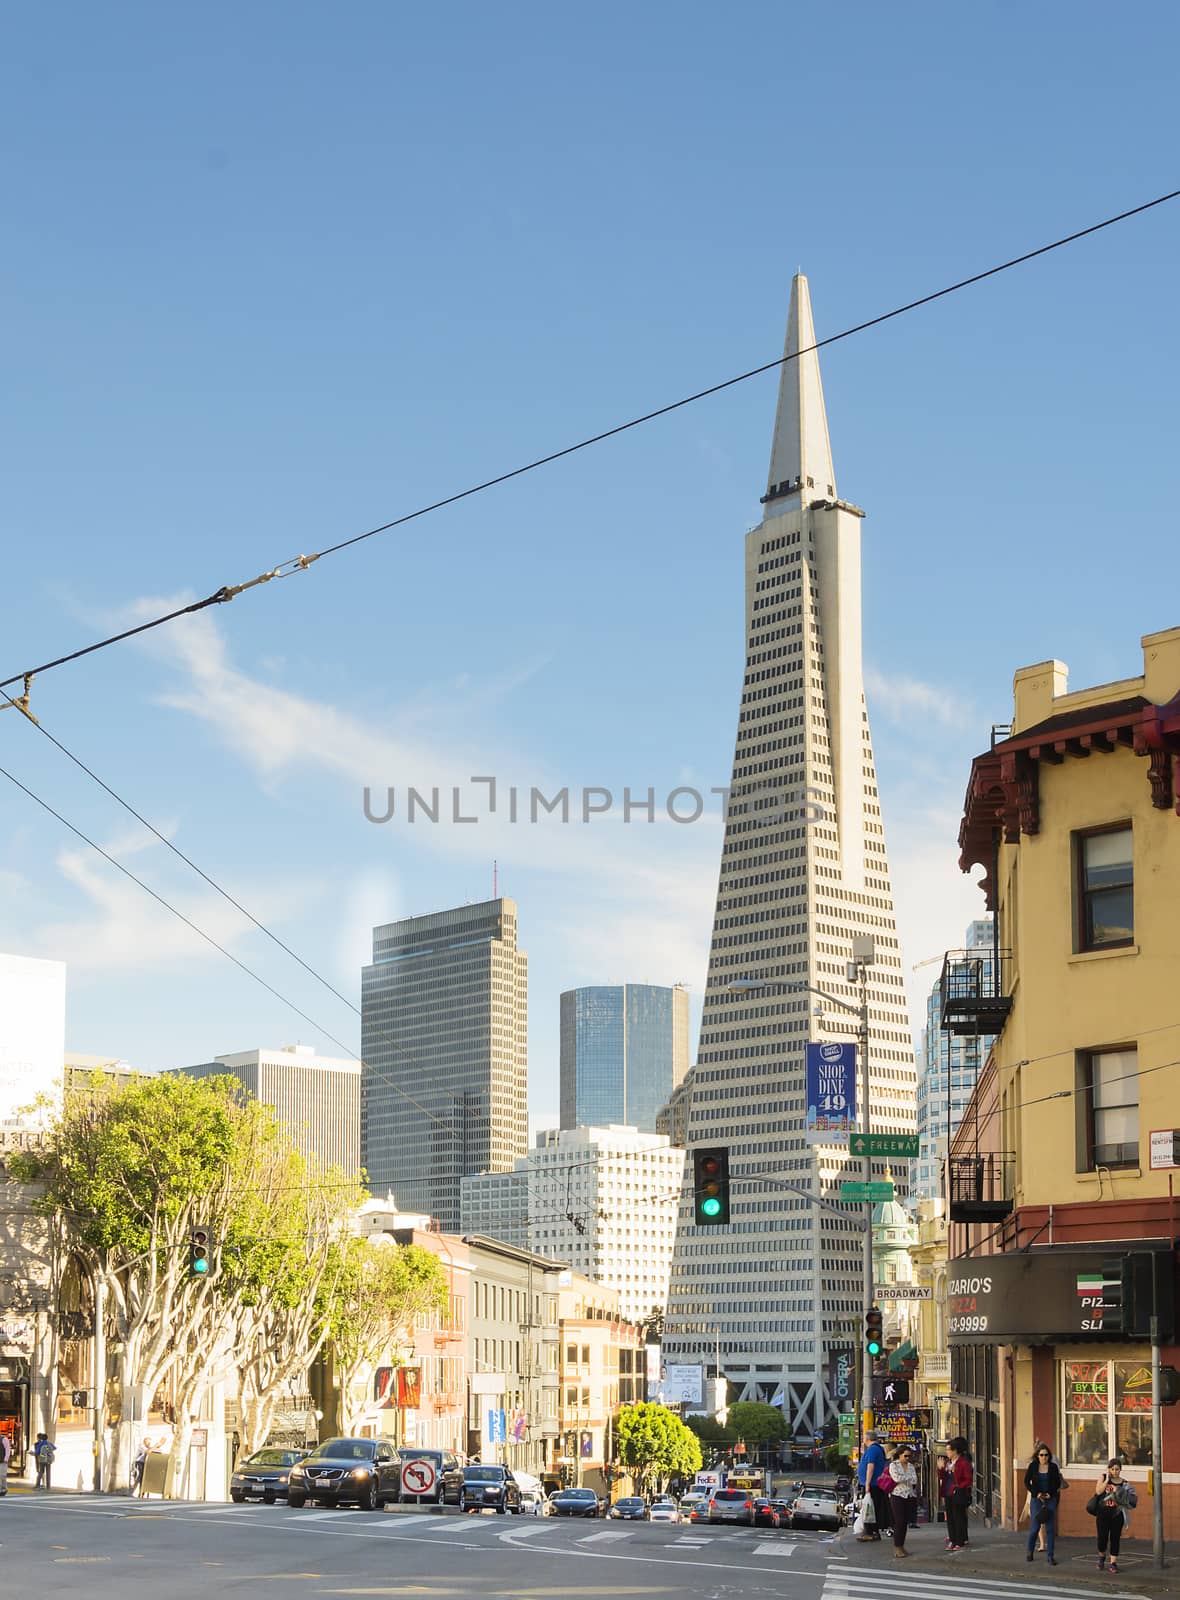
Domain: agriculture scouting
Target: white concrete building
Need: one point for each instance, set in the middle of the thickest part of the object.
(804, 876)
(604, 1200)
(32, 1037)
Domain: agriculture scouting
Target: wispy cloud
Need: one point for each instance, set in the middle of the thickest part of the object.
(902, 699)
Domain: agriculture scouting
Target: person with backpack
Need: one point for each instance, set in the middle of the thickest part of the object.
(1115, 1497)
(44, 1453)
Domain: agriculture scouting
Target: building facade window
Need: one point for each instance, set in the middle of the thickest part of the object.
(1105, 888)
(1107, 1410)
(1108, 1107)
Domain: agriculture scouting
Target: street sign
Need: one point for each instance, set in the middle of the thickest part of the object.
(885, 1144)
(866, 1191)
(418, 1476)
(904, 1291)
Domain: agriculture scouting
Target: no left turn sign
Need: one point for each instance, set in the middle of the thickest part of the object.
(418, 1476)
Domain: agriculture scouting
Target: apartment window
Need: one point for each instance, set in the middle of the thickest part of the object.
(1108, 1108)
(1105, 888)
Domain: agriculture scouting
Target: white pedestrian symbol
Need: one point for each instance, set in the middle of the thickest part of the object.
(889, 1391)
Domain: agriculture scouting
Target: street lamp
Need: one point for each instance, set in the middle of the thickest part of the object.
(863, 956)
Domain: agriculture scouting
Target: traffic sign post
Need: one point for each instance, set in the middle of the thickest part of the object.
(903, 1145)
(418, 1476)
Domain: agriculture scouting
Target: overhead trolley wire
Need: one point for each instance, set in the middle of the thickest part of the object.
(300, 563)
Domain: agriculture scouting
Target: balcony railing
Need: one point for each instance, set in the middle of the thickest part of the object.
(979, 1188)
(935, 1367)
(972, 990)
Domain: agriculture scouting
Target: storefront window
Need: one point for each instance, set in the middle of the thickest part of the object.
(1087, 1409)
(1107, 1407)
(1132, 1404)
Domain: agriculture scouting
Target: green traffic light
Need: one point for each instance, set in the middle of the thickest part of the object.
(874, 1348)
(711, 1206)
(200, 1264)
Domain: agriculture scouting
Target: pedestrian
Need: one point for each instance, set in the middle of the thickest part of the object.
(960, 1480)
(1028, 1505)
(868, 1474)
(5, 1458)
(1043, 1482)
(1115, 1498)
(137, 1466)
(902, 1497)
(44, 1452)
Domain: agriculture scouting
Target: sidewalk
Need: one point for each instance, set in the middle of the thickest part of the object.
(996, 1553)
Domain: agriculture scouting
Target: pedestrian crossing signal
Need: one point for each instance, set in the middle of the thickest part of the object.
(711, 1187)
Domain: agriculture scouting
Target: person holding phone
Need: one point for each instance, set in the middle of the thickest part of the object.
(1115, 1498)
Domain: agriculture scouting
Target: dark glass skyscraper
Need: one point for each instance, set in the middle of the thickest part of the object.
(444, 1036)
(624, 1048)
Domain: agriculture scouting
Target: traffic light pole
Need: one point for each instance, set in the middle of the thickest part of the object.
(866, 1386)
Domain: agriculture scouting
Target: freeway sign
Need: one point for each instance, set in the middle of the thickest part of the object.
(866, 1191)
(884, 1144)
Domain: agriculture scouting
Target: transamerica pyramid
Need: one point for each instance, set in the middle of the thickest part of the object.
(804, 872)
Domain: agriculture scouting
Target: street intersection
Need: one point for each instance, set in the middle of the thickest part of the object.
(104, 1548)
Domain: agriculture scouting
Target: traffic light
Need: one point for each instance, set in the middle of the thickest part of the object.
(710, 1187)
(200, 1245)
(874, 1332)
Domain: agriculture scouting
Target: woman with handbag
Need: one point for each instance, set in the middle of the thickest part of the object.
(1043, 1482)
(960, 1480)
(902, 1496)
(1113, 1497)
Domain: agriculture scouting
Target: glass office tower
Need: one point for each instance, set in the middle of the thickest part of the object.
(624, 1048)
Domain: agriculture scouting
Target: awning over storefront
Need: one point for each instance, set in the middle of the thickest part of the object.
(1049, 1296)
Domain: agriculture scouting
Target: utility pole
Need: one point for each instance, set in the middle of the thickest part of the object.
(1157, 1459)
(100, 1379)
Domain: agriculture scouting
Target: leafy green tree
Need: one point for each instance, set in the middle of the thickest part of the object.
(755, 1422)
(129, 1173)
(710, 1432)
(654, 1445)
(383, 1291)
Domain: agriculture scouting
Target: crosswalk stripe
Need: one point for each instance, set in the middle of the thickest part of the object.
(608, 1534)
(862, 1583)
(765, 1549)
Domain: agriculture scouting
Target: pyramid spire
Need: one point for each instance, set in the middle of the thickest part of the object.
(801, 454)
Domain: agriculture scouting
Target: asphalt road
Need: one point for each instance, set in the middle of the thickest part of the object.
(112, 1549)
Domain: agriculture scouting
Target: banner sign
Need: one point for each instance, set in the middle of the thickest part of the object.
(497, 1431)
(842, 1377)
(681, 1386)
(1049, 1296)
(831, 1093)
(409, 1388)
(906, 1426)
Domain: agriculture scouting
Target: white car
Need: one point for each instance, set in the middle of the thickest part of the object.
(532, 1502)
(663, 1511)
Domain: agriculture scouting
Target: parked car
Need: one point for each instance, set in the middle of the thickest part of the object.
(663, 1511)
(448, 1478)
(765, 1514)
(632, 1508)
(574, 1503)
(363, 1471)
(263, 1476)
(492, 1487)
(819, 1508)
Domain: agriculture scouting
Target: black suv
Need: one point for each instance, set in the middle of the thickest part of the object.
(489, 1486)
(364, 1471)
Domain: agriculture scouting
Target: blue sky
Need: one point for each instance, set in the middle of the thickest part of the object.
(275, 273)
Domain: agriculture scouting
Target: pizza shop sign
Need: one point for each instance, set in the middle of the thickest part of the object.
(1049, 1296)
